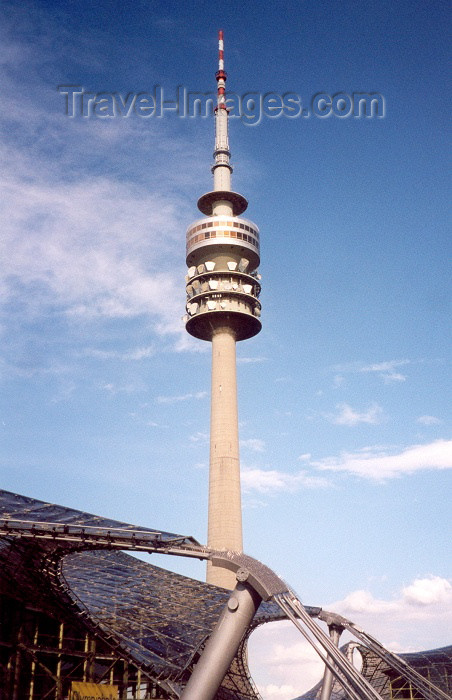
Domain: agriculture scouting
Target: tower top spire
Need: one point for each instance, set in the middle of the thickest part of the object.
(220, 75)
(222, 200)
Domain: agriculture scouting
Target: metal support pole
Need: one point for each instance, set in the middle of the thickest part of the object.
(17, 666)
(327, 685)
(138, 690)
(33, 663)
(85, 661)
(222, 644)
(125, 680)
(59, 685)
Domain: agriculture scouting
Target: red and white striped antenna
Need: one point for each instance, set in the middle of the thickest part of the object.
(220, 50)
(220, 74)
(221, 168)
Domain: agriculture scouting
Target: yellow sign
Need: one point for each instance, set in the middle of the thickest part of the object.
(92, 691)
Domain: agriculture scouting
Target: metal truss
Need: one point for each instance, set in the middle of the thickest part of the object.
(213, 657)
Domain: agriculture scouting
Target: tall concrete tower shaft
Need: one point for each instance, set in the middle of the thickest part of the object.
(223, 307)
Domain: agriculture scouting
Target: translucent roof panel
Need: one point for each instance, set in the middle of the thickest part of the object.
(16, 507)
(157, 619)
(160, 616)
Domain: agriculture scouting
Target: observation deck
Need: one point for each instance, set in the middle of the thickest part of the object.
(223, 285)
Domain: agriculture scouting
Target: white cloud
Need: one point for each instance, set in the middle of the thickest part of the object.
(130, 388)
(198, 437)
(250, 360)
(362, 601)
(420, 614)
(386, 370)
(379, 465)
(277, 692)
(82, 246)
(428, 591)
(282, 664)
(418, 617)
(388, 366)
(185, 342)
(65, 390)
(393, 377)
(253, 503)
(136, 354)
(253, 444)
(273, 481)
(183, 397)
(139, 353)
(85, 232)
(338, 380)
(348, 416)
(429, 420)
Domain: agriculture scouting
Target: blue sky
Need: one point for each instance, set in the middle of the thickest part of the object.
(343, 397)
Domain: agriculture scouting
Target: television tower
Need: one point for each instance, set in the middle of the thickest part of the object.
(223, 307)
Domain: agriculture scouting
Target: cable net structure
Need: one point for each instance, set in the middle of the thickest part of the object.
(76, 608)
(435, 664)
(397, 678)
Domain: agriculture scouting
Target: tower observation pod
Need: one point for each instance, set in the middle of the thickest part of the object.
(223, 306)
